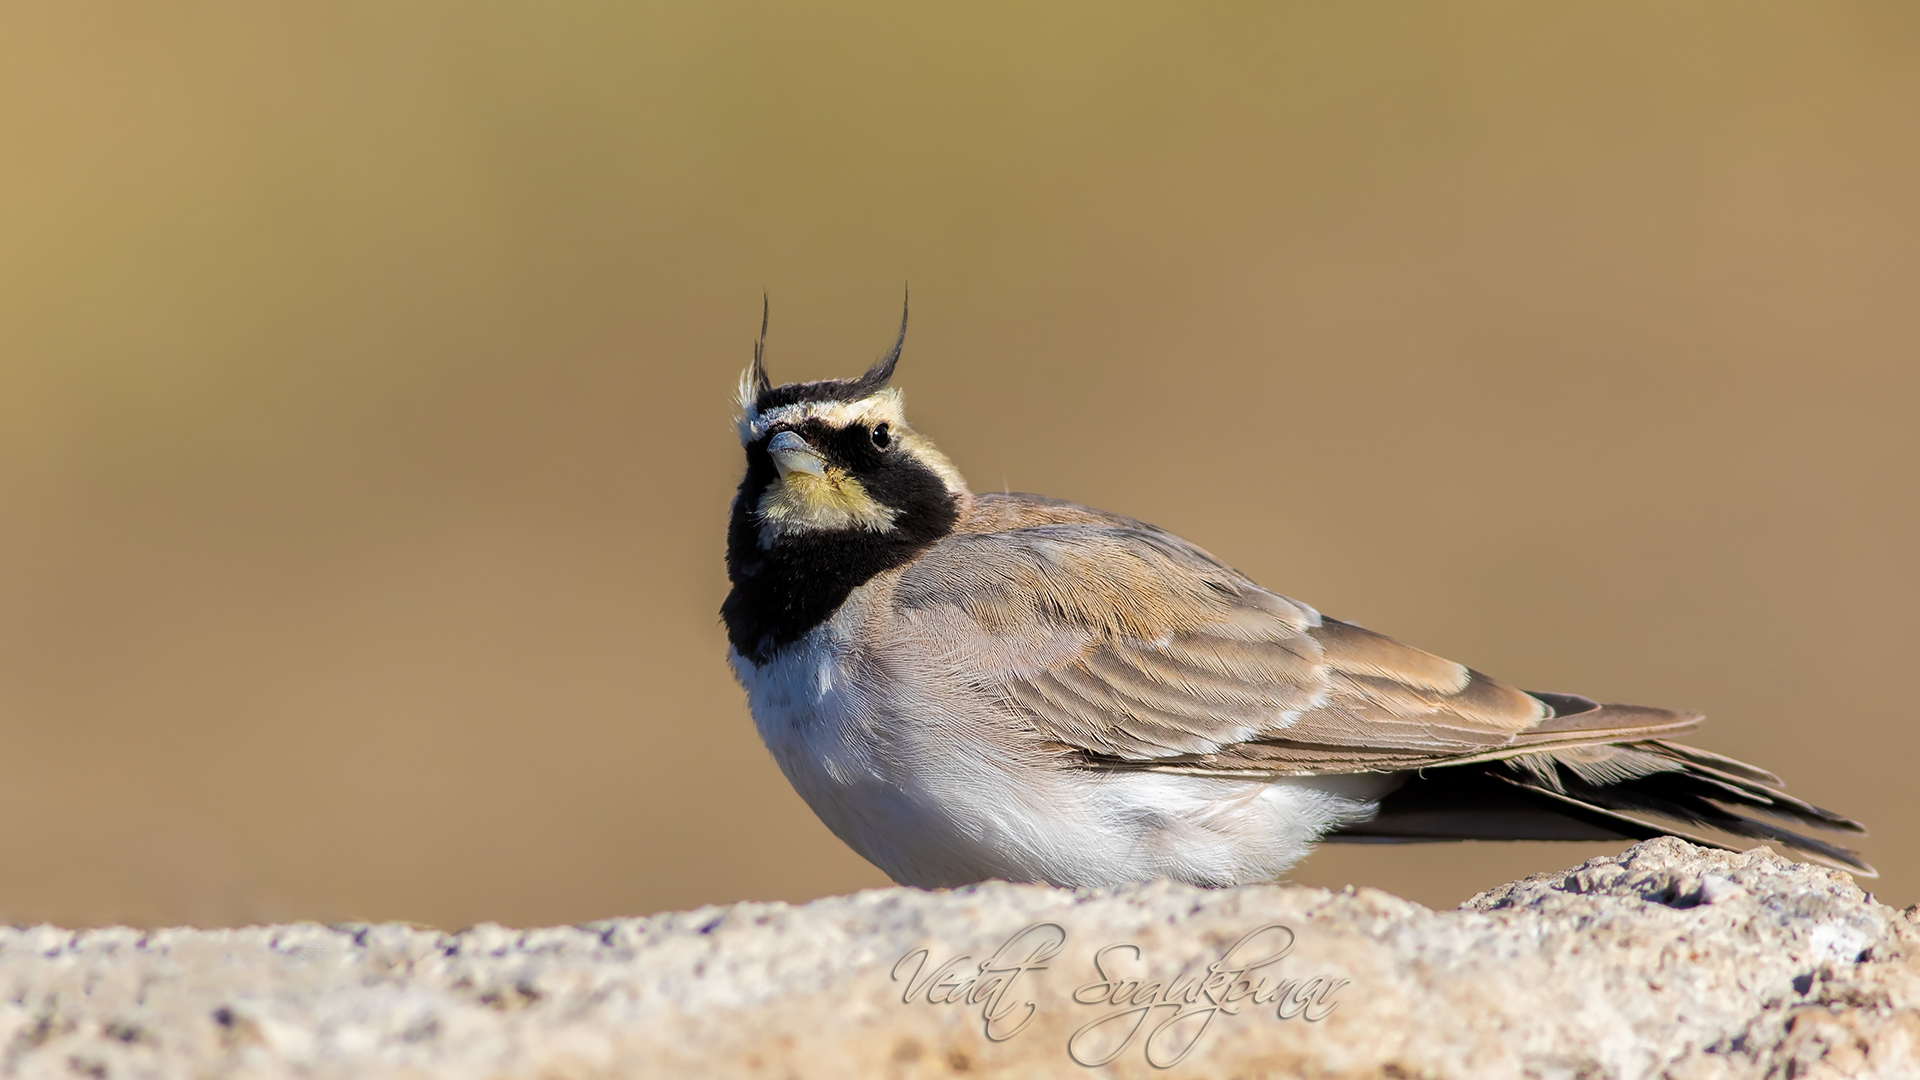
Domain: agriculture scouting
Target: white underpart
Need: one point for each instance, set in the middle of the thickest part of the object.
(919, 778)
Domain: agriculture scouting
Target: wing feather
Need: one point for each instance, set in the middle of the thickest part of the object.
(1183, 664)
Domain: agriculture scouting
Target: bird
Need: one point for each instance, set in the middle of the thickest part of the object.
(970, 686)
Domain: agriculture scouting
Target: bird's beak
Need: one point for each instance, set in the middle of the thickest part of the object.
(792, 454)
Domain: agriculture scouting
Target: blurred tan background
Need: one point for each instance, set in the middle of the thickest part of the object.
(365, 373)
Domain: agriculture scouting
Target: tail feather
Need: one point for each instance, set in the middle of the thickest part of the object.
(1720, 762)
(1598, 792)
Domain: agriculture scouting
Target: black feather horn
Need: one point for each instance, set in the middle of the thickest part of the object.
(768, 396)
(881, 372)
(758, 372)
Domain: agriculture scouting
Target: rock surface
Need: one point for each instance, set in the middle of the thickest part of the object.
(1665, 961)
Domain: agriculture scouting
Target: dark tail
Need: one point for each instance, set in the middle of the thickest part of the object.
(1600, 793)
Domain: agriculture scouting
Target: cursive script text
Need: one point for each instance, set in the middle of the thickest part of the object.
(1174, 1014)
(990, 984)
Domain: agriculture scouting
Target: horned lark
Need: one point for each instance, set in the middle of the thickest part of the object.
(968, 686)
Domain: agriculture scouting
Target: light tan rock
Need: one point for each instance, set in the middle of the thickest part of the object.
(1665, 961)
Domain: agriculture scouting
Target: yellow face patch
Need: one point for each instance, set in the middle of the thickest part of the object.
(801, 502)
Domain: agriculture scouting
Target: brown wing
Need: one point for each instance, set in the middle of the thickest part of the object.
(1134, 649)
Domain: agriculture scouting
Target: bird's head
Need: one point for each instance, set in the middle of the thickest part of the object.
(835, 461)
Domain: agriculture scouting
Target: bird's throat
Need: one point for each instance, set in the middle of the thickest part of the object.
(785, 588)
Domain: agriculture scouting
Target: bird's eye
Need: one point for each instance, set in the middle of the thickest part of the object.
(881, 437)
